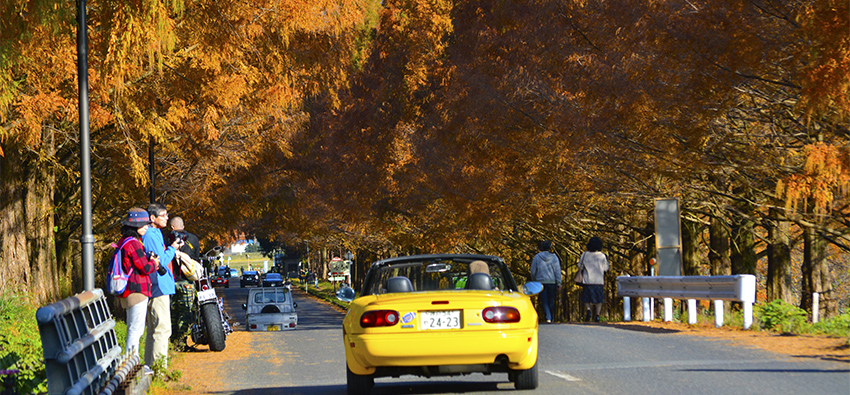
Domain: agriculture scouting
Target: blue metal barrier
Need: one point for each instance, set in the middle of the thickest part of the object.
(81, 351)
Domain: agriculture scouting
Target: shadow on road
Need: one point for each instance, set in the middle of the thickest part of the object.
(417, 387)
(640, 328)
(783, 371)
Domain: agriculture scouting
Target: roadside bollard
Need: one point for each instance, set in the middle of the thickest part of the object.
(692, 311)
(718, 313)
(815, 307)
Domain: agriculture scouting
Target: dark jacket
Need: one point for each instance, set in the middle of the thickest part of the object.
(192, 247)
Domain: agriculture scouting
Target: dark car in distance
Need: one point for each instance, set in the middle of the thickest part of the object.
(272, 280)
(249, 277)
(220, 281)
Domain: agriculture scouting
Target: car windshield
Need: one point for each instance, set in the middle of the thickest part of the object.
(273, 276)
(270, 296)
(436, 275)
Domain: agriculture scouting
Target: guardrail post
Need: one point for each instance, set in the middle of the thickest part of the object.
(627, 309)
(815, 307)
(718, 313)
(748, 315)
(692, 311)
(668, 309)
(646, 314)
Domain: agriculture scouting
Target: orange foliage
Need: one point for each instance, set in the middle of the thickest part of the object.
(826, 172)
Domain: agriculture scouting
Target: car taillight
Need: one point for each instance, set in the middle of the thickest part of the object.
(375, 318)
(500, 314)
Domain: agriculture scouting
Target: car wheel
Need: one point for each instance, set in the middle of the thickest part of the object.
(525, 379)
(358, 385)
(241, 285)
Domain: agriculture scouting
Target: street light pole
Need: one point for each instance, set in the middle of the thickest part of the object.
(87, 238)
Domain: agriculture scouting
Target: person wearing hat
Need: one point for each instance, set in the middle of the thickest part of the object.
(136, 262)
(546, 269)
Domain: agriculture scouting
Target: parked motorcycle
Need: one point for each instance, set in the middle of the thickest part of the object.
(211, 325)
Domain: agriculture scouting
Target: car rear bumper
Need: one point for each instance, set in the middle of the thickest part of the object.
(272, 322)
(366, 352)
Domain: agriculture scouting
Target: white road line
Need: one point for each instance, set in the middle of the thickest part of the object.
(563, 375)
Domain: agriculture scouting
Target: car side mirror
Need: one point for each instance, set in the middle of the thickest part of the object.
(345, 294)
(244, 306)
(532, 288)
(294, 305)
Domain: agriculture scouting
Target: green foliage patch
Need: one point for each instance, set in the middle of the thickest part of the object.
(780, 317)
(20, 344)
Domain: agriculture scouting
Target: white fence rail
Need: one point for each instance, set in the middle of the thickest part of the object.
(741, 288)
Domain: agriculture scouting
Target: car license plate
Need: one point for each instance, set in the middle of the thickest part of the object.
(449, 319)
(272, 328)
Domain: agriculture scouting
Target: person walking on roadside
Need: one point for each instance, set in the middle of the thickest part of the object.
(162, 287)
(595, 264)
(546, 269)
(134, 300)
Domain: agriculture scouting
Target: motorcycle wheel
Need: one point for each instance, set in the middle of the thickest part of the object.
(213, 327)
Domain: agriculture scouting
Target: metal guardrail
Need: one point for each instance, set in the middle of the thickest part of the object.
(81, 351)
(741, 288)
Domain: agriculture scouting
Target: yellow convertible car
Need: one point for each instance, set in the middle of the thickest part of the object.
(440, 315)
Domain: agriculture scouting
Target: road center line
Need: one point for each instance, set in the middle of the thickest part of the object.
(563, 375)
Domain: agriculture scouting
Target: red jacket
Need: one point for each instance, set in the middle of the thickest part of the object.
(133, 255)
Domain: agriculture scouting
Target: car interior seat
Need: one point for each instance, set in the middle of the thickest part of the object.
(399, 284)
(480, 281)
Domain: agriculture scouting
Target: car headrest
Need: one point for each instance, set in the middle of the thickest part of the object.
(479, 281)
(399, 284)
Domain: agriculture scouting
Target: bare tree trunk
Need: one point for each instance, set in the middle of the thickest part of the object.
(718, 254)
(13, 241)
(743, 247)
(778, 259)
(40, 233)
(816, 275)
(690, 248)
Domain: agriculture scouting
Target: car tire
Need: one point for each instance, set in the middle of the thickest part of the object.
(241, 285)
(227, 285)
(525, 379)
(213, 327)
(358, 385)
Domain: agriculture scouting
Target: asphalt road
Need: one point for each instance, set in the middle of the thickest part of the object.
(573, 358)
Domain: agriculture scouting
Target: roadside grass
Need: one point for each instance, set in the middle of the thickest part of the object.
(325, 291)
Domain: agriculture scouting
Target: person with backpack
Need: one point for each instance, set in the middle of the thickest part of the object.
(135, 262)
